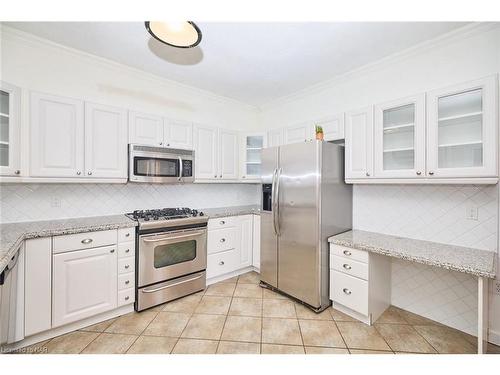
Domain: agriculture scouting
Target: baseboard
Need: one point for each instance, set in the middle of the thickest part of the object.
(226, 276)
(494, 337)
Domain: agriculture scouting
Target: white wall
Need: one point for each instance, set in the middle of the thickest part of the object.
(467, 54)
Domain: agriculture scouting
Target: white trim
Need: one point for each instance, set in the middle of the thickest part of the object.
(58, 180)
(229, 275)
(426, 181)
(494, 337)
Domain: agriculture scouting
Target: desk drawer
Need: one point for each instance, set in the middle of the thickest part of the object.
(221, 263)
(85, 240)
(349, 291)
(126, 234)
(349, 266)
(126, 296)
(126, 249)
(126, 265)
(126, 280)
(347, 252)
(221, 240)
(222, 222)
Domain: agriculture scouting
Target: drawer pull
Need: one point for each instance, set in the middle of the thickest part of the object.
(346, 291)
(222, 222)
(127, 266)
(127, 234)
(86, 241)
(127, 282)
(221, 263)
(127, 298)
(112, 251)
(222, 240)
(347, 252)
(127, 251)
(346, 266)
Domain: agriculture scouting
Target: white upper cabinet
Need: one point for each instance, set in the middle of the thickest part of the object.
(206, 154)
(10, 126)
(178, 134)
(359, 143)
(333, 127)
(57, 134)
(299, 133)
(105, 141)
(275, 138)
(462, 133)
(146, 129)
(228, 151)
(251, 145)
(399, 138)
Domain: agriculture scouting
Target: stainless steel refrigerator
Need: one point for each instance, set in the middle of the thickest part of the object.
(304, 201)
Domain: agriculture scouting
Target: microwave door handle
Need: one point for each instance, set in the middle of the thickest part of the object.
(180, 168)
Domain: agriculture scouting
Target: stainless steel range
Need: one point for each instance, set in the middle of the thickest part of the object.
(171, 246)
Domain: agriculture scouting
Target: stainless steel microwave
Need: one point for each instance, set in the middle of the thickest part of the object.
(160, 164)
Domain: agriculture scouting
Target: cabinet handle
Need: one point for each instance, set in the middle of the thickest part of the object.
(78, 173)
(347, 252)
(221, 263)
(112, 251)
(215, 176)
(220, 176)
(127, 251)
(347, 267)
(127, 282)
(161, 143)
(431, 173)
(87, 241)
(127, 266)
(367, 174)
(127, 298)
(17, 172)
(346, 291)
(222, 222)
(243, 176)
(419, 173)
(89, 173)
(222, 240)
(127, 234)
(168, 144)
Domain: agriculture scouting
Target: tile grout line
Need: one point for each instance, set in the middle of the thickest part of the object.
(192, 313)
(340, 332)
(144, 330)
(300, 330)
(227, 314)
(95, 338)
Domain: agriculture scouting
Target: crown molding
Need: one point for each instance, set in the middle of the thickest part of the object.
(444, 39)
(11, 34)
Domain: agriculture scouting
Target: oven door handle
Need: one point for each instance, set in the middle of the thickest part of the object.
(170, 285)
(171, 238)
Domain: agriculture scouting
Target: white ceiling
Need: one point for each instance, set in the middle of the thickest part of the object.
(250, 62)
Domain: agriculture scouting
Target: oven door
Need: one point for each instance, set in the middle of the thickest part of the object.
(164, 256)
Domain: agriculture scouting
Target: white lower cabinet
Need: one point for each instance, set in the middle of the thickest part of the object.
(246, 240)
(256, 242)
(84, 284)
(360, 283)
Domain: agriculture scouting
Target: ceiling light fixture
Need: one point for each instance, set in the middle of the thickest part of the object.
(183, 34)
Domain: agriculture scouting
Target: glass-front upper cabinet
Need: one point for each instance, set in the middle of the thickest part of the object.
(399, 138)
(462, 130)
(251, 147)
(10, 100)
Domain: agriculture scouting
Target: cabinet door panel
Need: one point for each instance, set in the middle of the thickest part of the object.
(145, 129)
(298, 134)
(333, 127)
(246, 240)
(179, 134)
(462, 130)
(251, 146)
(10, 129)
(359, 143)
(57, 136)
(275, 138)
(206, 153)
(105, 141)
(84, 284)
(256, 242)
(228, 149)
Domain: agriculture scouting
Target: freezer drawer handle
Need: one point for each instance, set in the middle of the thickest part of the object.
(347, 252)
(171, 285)
(87, 241)
(347, 267)
(346, 291)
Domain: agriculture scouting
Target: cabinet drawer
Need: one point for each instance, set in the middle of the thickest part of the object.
(221, 240)
(126, 265)
(126, 234)
(126, 280)
(85, 240)
(126, 296)
(222, 222)
(347, 252)
(349, 291)
(126, 249)
(221, 263)
(349, 266)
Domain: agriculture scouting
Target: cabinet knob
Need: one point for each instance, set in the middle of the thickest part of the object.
(89, 173)
(215, 176)
(78, 173)
(367, 174)
(346, 291)
(243, 176)
(221, 263)
(222, 222)
(168, 144)
(220, 176)
(419, 173)
(127, 266)
(127, 282)
(17, 172)
(222, 240)
(127, 251)
(112, 251)
(161, 143)
(346, 266)
(127, 298)
(347, 252)
(86, 241)
(127, 234)
(431, 173)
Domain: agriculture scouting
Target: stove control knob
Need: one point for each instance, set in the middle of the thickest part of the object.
(155, 217)
(201, 214)
(146, 218)
(194, 212)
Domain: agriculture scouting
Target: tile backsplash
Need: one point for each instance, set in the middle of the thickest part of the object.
(27, 202)
(435, 213)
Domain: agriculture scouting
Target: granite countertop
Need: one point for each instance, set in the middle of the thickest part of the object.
(231, 211)
(12, 234)
(477, 262)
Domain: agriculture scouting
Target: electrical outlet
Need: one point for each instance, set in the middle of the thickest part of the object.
(55, 202)
(496, 287)
(471, 213)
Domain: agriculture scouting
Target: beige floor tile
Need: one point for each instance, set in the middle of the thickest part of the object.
(214, 305)
(242, 328)
(132, 324)
(233, 280)
(404, 338)
(365, 351)
(321, 350)
(339, 316)
(269, 294)
(304, 312)
(186, 304)
(230, 347)
(415, 319)
(221, 289)
(361, 336)
(446, 340)
(277, 308)
(190, 346)
(249, 278)
(168, 324)
(282, 349)
(391, 316)
(246, 307)
(158, 307)
(110, 343)
(152, 345)
(70, 343)
(248, 290)
(99, 327)
(202, 326)
(281, 331)
(321, 333)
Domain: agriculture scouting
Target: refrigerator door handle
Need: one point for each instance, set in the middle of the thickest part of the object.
(273, 201)
(277, 198)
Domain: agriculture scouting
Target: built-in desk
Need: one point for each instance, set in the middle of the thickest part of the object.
(480, 263)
